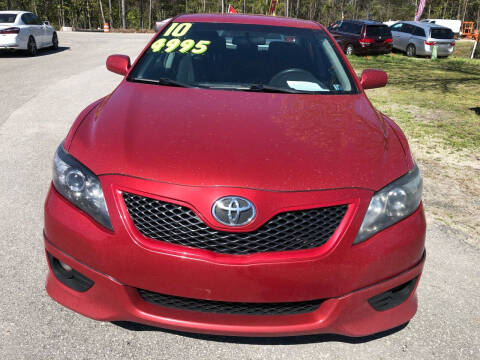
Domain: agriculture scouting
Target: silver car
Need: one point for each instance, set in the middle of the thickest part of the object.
(419, 38)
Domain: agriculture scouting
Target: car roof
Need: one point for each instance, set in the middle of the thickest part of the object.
(249, 19)
(366, 22)
(423, 25)
(13, 12)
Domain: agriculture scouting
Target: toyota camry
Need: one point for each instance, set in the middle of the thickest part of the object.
(237, 181)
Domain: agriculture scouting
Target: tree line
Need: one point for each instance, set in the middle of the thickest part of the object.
(142, 14)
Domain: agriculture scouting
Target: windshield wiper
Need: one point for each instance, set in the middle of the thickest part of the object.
(273, 89)
(170, 82)
(163, 81)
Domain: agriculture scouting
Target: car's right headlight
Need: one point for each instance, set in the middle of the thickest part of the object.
(80, 186)
(391, 204)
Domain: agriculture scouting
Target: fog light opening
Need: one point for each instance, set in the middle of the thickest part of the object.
(69, 276)
(393, 297)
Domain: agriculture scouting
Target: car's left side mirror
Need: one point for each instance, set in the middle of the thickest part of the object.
(46, 23)
(119, 64)
(373, 78)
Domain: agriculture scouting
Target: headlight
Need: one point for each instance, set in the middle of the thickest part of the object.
(391, 204)
(80, 186)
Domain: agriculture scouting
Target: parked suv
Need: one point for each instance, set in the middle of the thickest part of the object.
(419, 38)
(362, 36)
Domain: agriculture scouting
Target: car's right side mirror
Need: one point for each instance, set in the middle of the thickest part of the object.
(119, 64)
(373, 78)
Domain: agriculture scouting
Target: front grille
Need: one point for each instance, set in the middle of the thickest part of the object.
(222, 307)
(294, 230)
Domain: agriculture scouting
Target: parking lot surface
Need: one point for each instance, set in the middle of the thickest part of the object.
(39, 99)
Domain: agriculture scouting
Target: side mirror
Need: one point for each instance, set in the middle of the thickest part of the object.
(46, 23)
(372, 78)
(119, 64)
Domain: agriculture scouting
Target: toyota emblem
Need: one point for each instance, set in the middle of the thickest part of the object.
(233, 211)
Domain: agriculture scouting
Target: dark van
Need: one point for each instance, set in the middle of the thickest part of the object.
(362, 37)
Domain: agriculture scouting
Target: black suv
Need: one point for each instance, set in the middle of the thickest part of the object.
(362, 36)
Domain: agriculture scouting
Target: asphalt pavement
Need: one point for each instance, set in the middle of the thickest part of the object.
(39, 99)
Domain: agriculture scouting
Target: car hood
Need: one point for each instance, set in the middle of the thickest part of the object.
(284, 142)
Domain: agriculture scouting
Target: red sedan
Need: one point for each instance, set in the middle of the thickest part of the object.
(238, 181)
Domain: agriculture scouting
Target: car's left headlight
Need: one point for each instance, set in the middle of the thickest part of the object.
(391, 204)
(80, 186)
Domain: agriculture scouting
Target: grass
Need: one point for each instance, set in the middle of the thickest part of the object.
(435, 101)
(463, 48)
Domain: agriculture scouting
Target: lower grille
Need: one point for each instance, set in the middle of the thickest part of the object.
(294, 230)
(221, 307)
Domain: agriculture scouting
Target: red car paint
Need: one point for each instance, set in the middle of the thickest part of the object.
(297, 152)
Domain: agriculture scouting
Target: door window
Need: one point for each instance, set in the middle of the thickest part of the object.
(356, 29)
(36, 20)
(397, 27)
(343, 27)
(418, 32)
(407, 28)
(28, 19)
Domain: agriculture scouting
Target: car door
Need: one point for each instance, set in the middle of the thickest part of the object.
(346, 34)
(49, 30)
(407, 31)
(417, 38)
(42, 30)
(33, 29)
(397, 34)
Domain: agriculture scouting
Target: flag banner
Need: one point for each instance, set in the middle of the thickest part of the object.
(273, 6)
(421, 6)
(231, 9)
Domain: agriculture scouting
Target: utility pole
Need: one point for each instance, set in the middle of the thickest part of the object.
(223, 7)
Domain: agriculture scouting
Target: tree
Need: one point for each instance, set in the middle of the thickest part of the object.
(131, 13)
(110, 13)
(124, 15)
(150, 15)
(101, 11)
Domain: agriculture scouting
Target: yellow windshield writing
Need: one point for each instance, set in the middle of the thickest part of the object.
(177, 30)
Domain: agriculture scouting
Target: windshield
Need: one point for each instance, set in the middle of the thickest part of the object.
(7, 18)
(378, 30)
(244, 57)
(441, 34)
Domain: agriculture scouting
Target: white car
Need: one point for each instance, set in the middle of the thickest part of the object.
(22, 30)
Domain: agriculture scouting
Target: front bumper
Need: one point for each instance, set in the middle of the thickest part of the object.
(345, 276)
(351, 314)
